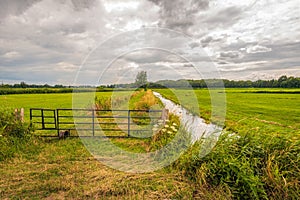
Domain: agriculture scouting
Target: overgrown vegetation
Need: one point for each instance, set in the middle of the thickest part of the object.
(258, 157)
(144, 101)
(251, 166)
(109, 103)
(164, 133)
(15, 136)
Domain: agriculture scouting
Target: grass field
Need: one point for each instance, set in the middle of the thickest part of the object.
(247, 110)
(261, 168)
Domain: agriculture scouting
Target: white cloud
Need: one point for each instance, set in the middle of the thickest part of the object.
(66, 67)
(11, 55)
(229, 55)
(111, 6)
(258, 49)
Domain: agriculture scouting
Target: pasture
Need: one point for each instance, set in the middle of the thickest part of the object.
(249, 110)
(262, 163)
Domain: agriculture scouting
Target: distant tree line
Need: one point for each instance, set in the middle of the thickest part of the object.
(23, 88)
(25, 85)
(282, 82)
(141, 81)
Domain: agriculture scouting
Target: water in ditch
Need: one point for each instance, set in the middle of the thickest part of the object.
(193, 124)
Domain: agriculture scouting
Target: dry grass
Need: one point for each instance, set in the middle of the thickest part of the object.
(144, 100)
(63, 169)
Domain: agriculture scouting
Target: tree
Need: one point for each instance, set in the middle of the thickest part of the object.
(23, 84)
(282, 78)
(141, 80)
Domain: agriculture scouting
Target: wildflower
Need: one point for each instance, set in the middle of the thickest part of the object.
(169, 132)
(174, 124)
(160, 121)
(163, 130)
(166, 126)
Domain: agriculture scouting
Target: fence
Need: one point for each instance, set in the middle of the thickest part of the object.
(93, 122)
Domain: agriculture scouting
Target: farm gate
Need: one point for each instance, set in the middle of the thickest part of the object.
(116, 123)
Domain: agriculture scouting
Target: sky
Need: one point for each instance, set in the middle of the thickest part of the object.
(109, 41)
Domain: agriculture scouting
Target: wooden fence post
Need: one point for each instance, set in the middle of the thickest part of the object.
(19, 115)
(93, 121)
(165, 115)
(16, 114)
(22, 115)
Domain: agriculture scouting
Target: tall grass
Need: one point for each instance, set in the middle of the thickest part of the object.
(109, 103)
(252, 166)
(14, 134)
(166, 133)
(143, 100)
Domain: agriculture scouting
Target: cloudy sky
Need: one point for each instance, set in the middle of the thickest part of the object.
(109, 41)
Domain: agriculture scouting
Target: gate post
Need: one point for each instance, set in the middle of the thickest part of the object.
(93, 121)
(57, 121)
(30, 115)
(164, 115)
(43, 120)
(128, 121)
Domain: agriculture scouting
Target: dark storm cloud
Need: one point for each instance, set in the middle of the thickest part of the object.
(205, 41)
(17, 7)
(14, 7)
(229, 54)
(226, 17)
(194, 44)
(153, 56)
(273, 53)
(179, 14)
(82, 4)
(222, 63)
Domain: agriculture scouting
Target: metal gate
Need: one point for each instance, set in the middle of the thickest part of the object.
(45, 119)
(119, 123)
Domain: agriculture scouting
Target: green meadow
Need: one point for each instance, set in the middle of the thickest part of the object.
(257, 157)
(247, 110)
